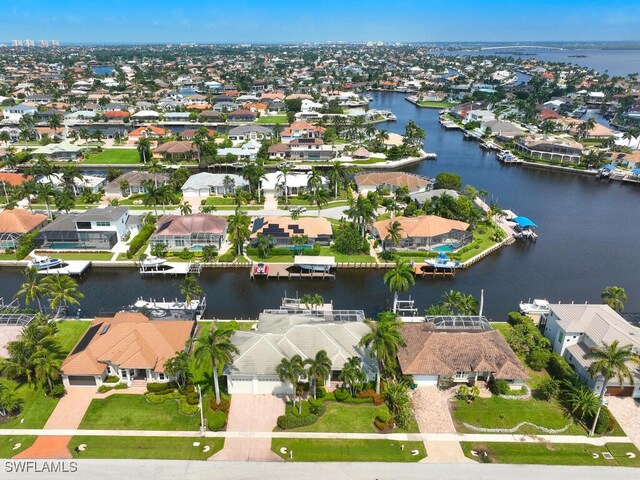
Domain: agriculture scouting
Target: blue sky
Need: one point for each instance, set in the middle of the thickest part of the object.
(243, 21)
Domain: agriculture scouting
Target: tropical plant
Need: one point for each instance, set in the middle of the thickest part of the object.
(238, 227)
(384, 340)
(615, 297)
(31, 288)
(215, 347)
(318, 368)
(310, 301)
(10, 401)
(178, 368)
(319, 198)
(578, 398)
(209, 252)
(284, 174)
(144, 149)
(44, 192)
(264, 243)
(353, 375)
(396, 396)
(190, 288)
(289, 371)
(394, 233)
(399, 279)
(62, 291)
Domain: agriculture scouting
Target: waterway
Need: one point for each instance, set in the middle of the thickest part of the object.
(588, 240)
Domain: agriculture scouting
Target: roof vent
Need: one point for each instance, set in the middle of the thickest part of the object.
(105, 328)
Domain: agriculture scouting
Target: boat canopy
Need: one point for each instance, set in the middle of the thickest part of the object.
(524, 222)
(314, 260)
(636, 171)
(608, 166)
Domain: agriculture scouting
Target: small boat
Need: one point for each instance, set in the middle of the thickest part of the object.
(538, 306)
(442, 261)
(45, 263)
(261, 270)
(152, 262)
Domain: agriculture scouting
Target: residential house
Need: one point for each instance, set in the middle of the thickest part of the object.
(59, 152)
(146, 116)
(135, 182)
(424, 232)
(281, 334)
(16, 223)
(428, 195)
(441, 353)
(241, 116)
(574, 329)
(282, 229)
(274, 182)
(204, 184)
(480, 116)
(148, 131)
(245, 133)
(368, 182)
(177, 150)
(13, 179)
(550, 148)
(301, 129)
(192, 231)
(129, 346)
(14, 113)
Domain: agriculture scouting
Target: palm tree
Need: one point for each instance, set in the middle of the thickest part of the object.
(319, 198)
(352, 374)
(284, 172)
(43, 193)
(32, 288)
(185, 208)
(318, 368)
(217, 348)
(615, 297)
(610, 361)
(264, 244)
(469, 305)
(289, 371)
(314, 180)
(69, 174)
(394, 233)
(579, 398)
(399, 279)
(144, 149)
(47, 366)
(238, 226)
(55, 122)
(384, 340)
(363, 212)
(5, 137)
(337, 173)
(190, 288)
(178, 368)
(83, 133)
(153, 195)
(62, 291)
(453, 301)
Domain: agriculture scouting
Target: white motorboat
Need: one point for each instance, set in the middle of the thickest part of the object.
(152, 262)
(443, 262)
(538, 306)
(45, 263)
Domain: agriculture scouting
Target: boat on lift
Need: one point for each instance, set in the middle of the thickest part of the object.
(442, 262)
(152, 262)
(45, 263)
(537, 306)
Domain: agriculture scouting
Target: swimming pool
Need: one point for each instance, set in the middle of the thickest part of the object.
(444, 248)
(66, 246)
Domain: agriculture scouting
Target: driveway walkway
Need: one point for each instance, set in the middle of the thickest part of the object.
(251, 413)
(431, 407)
(627, 413)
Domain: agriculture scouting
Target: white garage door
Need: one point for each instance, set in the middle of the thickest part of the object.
(270, 385)
(426, 380)
(241, 385)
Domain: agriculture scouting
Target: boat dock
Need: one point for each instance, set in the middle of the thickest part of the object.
(171, 268)
(449, 125)
(74, 268)
(290, 272)
(423, 270)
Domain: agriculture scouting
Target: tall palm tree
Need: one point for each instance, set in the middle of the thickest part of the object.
(319, 198)
(314, 180)
(55, 122)
(238, 227)
(318, 368)
(46, 366)
(62, 291)
(352, 374)
(43, 193)
(32, 288)
(399, 279)
(579, 398)
(190, 288)
(185, 208)
(144, 149)
(289, 371)
(453, 301)
(217, 348)
(284, 172)
(153, 195)
(394, 233)
(469, 305)
(337, 173)
(610, 361)
(615, 297)
(384, 340)
(362, 212)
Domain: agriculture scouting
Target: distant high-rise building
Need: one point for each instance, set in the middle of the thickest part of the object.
(17, 43)
(28, 43)
(44, 43)
(55, 43)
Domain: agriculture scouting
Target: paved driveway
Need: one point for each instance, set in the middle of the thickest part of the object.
(627, 413)
(251, 413)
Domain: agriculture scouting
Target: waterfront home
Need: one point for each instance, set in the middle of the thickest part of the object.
(461, 110)
(480, 116)
(629, 160)
(574, 329)
(95, 229)
(148, 131)
(550, 148)
(281, 334)
(59, 152)
(283, 229)
(14, 113)
(245, 133)
(371, 182)
(146, 116)
(241, 116)
(192, 231)
(424, 232)
(204, 184)
(177, 150)
(462, 350)
(129, 346)
(310, 149)
(274, 182)
(501, 129)
(133, 182)
(16, 223)
(423, 197)
(192, 133)
(13, 179)
(301, 129)
(93, 183)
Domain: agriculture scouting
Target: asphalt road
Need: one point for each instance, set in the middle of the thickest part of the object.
(192, 470)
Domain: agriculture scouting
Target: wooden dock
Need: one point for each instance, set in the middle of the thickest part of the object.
(172, 269)
(74, 268)
(422, 270)
(290, 272)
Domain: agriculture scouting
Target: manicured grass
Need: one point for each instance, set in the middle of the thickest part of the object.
(35, 409)
(220, 201)
(114, 156)
(554, 454)
(436, 104)
(133, 412)
(273, 259)
(169, 448)
(332, 450)
(497, 412)
(342, 258)
(69, 332)
(370, 161)
(8, 442)
(8, 256)
(481, 241)
(98, 256)
(281, 119)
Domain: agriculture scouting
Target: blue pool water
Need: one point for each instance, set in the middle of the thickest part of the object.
(67, 246)
(444, 248)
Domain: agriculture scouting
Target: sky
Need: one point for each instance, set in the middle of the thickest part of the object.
(295, 21)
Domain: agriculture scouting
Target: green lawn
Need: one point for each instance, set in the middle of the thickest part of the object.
(481, 241)
(436, 104)
(98, 256)
(554, 454)
(8, 256)
(281, 119)
(69, 332)
(220, 201)
(133, 412)
(370, 161)
(497, 412)
(35, 410)
(273, 259)
(168, 448)
(332, 450)
(9, 441)
(114, 156)
(342, 258)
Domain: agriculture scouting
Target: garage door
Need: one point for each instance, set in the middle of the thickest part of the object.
(620, 391)
(240, 385)
(270, 386)
(82, 381)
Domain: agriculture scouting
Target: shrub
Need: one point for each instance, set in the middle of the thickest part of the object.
(112, 379)
(216, 420)
(230, 256)
(223, 406)
(57, 390)
(383, 416)
(192, 398)
(25, 245)
(538, 359)
(104, 389)
(559, 369)
(156, 387)
(289, 421)
(341, 394)
(187, 389)
(321, 392)
(606, 422)
(500, 387)
(370, 393)
(140, 239)
(546, 389)
(121, 386)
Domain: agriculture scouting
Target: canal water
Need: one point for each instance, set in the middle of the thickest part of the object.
(588, 239)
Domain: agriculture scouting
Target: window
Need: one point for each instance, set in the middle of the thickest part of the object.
(560, 337)
(103, 224)
(179, 242)
(461, 375)
(161, 376)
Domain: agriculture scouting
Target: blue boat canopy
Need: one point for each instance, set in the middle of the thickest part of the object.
(636, 171)
(608, 167)
(524, 222)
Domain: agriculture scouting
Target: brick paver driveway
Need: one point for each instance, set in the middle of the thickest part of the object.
(627, 413)
(251, 413)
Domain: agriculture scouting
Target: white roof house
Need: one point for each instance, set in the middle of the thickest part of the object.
(204, 184)
(274, 181)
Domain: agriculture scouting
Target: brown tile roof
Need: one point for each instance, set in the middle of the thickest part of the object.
(423, 226)
(177, 147)
(131, 341)
(436, 352)
(310, 226)
(396, 179)
(14, 179)
(20, 221)
(186, 224)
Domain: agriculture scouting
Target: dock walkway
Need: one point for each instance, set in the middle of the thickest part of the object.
(71, 267)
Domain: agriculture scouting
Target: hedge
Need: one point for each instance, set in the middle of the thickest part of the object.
(289, 421)
(559, 369)
(216, 420)
(341, 394)
(155, 387)
(140, 239)
(368, 393)
(223, 406)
